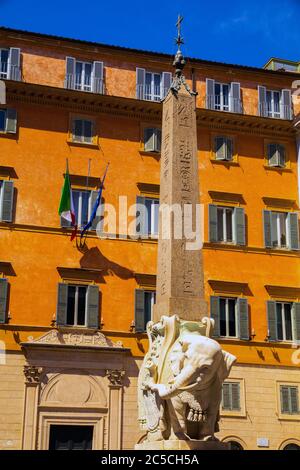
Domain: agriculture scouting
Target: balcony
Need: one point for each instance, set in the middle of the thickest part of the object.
(150, 92)
(86, 83)
(11, 73)
(224, 103)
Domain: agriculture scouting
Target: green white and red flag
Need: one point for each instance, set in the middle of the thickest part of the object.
(66, 206)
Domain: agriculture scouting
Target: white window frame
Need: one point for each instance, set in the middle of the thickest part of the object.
(79, 215)
(231, 409)
(272, 113)
(76, 305)
(82, 139)
(224, 209)
(4, 75)
(227, 316)
(289, 413)
(283, 321)
(82, 86)
(279, 245)
(152, 96)
(221, 106)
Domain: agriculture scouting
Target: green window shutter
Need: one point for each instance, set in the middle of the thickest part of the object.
(239, 226)
(139, 311)
(296, 322)
(98, 77)
(293, 230)
(70, 73)
(3, 300)
(93, 307)
(286, 105)
(210, 93)
(62, 304)
(235, 396)
(235, 98)
(142, 218)
(11, 121)
(262, 101)
(100, 211)
(294, 403)
(213, 223)
(229, 149)
(272, 320)
(221, 148)
(6, 209)
(281, 156)
(166, 83)
(272, 155)
(14, 63)
(149, 139)
(2, 92)
(284, 399)
(243, 318)
(215, 314)
(226, 396)
(267, 228)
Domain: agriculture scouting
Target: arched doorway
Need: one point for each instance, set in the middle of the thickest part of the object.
(291, 446)
(234, 445)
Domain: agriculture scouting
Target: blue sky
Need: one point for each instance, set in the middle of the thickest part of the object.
(234, 31)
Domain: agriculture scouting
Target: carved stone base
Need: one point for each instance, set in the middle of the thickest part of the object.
(183, 445)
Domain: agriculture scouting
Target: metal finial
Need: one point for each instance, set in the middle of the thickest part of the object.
(179, 39)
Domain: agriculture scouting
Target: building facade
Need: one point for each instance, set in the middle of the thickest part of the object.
(73, 316)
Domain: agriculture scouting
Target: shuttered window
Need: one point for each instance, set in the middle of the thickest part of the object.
(281, 230)
(283, 321)
(276, 155)
(227, 224)
(231, 400)
(289, 398)
(6, 200)
(230, 316)
(144, 302)
(8, 120)
(78, 305)
(223, 96)
(83, 131)
(4, 54)
(152, 139)
(3, 300)
(275, 103)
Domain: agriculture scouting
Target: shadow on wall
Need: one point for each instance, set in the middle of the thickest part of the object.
(93, 259)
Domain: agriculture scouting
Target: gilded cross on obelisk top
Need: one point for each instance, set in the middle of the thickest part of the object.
(179, 39)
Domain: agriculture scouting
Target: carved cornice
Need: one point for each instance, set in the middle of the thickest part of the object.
(32, 374)
(115, 376)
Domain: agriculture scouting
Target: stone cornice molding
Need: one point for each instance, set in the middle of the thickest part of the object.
(115, 376)
(32, 374)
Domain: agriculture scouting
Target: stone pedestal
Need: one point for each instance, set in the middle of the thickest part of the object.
(183, 445)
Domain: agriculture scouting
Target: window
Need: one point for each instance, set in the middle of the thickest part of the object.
(231, 396)
(223, 148)
(76, 309)
(82, 206)
(227, 225)
(6, 200)
(4, 55)
(83, 131)
(230, 316)
(283, 321)
(3, 299)
(77, 305)
(222, 96)
(276, 155)
(281, 230)
(228, 320)
(84, 76)
(147, 216)
(152, 140)
(152, 86)
(275, 103)
(8, 120)
(289, 399)
(144, 302)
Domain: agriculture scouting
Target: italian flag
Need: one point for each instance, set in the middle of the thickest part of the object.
(66, 206)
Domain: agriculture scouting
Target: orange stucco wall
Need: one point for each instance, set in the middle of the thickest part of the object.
(36, 246)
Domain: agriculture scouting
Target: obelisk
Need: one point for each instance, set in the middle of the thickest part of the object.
(180, 285)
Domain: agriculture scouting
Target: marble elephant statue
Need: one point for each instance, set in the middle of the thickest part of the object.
(187, 392)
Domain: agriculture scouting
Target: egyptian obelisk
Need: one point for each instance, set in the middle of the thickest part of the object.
(180, 286)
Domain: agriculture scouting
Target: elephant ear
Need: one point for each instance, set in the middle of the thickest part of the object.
(227, 362)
